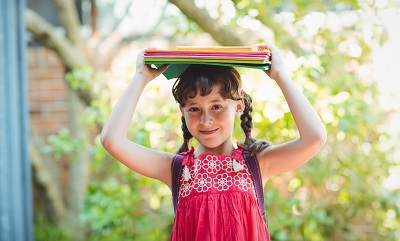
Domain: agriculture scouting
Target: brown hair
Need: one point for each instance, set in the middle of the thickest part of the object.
(202, 79)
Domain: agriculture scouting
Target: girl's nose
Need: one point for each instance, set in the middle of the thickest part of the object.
(205, 118)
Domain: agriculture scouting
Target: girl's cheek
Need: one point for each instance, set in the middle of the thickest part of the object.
(222, 114)
(193, 115)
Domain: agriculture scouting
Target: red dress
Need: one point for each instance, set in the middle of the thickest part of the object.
(217, 200)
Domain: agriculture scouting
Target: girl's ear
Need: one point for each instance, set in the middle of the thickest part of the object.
(181, 109)
(239, 107)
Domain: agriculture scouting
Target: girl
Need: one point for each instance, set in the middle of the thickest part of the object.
(216, 199)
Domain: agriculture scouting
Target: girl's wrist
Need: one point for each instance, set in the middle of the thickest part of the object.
(275, 74)
(140, 78)
(281, 76)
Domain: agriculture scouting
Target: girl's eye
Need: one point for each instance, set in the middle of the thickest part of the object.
(193, 109)
(216, 107)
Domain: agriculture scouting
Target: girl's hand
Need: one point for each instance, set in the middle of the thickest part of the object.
(277, 66)
(146, 70)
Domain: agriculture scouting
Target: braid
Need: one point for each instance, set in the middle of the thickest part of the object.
(247, 120)
(250, 145)
(186, 136)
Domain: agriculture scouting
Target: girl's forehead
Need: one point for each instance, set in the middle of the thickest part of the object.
(215, 95)
(196, 94)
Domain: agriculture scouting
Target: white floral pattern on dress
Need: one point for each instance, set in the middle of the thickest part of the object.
(194, 170)
(197, 166)
(185, 189)
(227, 164)
(243, 181)
(222, 182)
(215, 173)
(212, 164)
(202, 182)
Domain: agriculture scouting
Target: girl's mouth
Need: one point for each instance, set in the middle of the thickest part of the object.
(208, 132)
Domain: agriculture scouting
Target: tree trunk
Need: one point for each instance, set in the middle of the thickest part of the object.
(45, 180)
(69, 19)
(215, 29)
(79, 175)
(71, 55)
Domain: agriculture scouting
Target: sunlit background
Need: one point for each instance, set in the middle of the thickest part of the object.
(342, 54)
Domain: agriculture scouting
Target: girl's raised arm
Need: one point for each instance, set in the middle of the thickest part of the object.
(140, 159)
(288, 156)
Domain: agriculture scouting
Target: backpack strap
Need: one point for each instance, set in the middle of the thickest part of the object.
(254, 169)
(176, 170)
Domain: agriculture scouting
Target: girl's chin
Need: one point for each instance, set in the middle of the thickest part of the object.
(213, 144)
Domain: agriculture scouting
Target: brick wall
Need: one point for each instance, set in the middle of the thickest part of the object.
(48, 93)
(48, 101)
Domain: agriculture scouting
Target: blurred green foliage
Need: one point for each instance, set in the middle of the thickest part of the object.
(338, 195)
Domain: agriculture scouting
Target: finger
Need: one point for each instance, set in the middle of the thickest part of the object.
(140, 55)
(153, 48)
(162, 68)
(265, 46)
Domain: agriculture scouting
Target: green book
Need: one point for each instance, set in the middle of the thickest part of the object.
(175, 69)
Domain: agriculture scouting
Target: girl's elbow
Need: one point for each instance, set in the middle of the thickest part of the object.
(103, 140)
(106, 140)
(319, 140)
(110, 140)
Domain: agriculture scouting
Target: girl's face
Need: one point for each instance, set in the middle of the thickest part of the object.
(210, 120)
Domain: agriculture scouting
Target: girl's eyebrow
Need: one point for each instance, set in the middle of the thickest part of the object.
(218, 99)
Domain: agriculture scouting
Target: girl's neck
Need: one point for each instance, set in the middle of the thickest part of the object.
(225, 149)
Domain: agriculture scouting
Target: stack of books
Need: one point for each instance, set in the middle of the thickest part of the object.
(182, 57)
